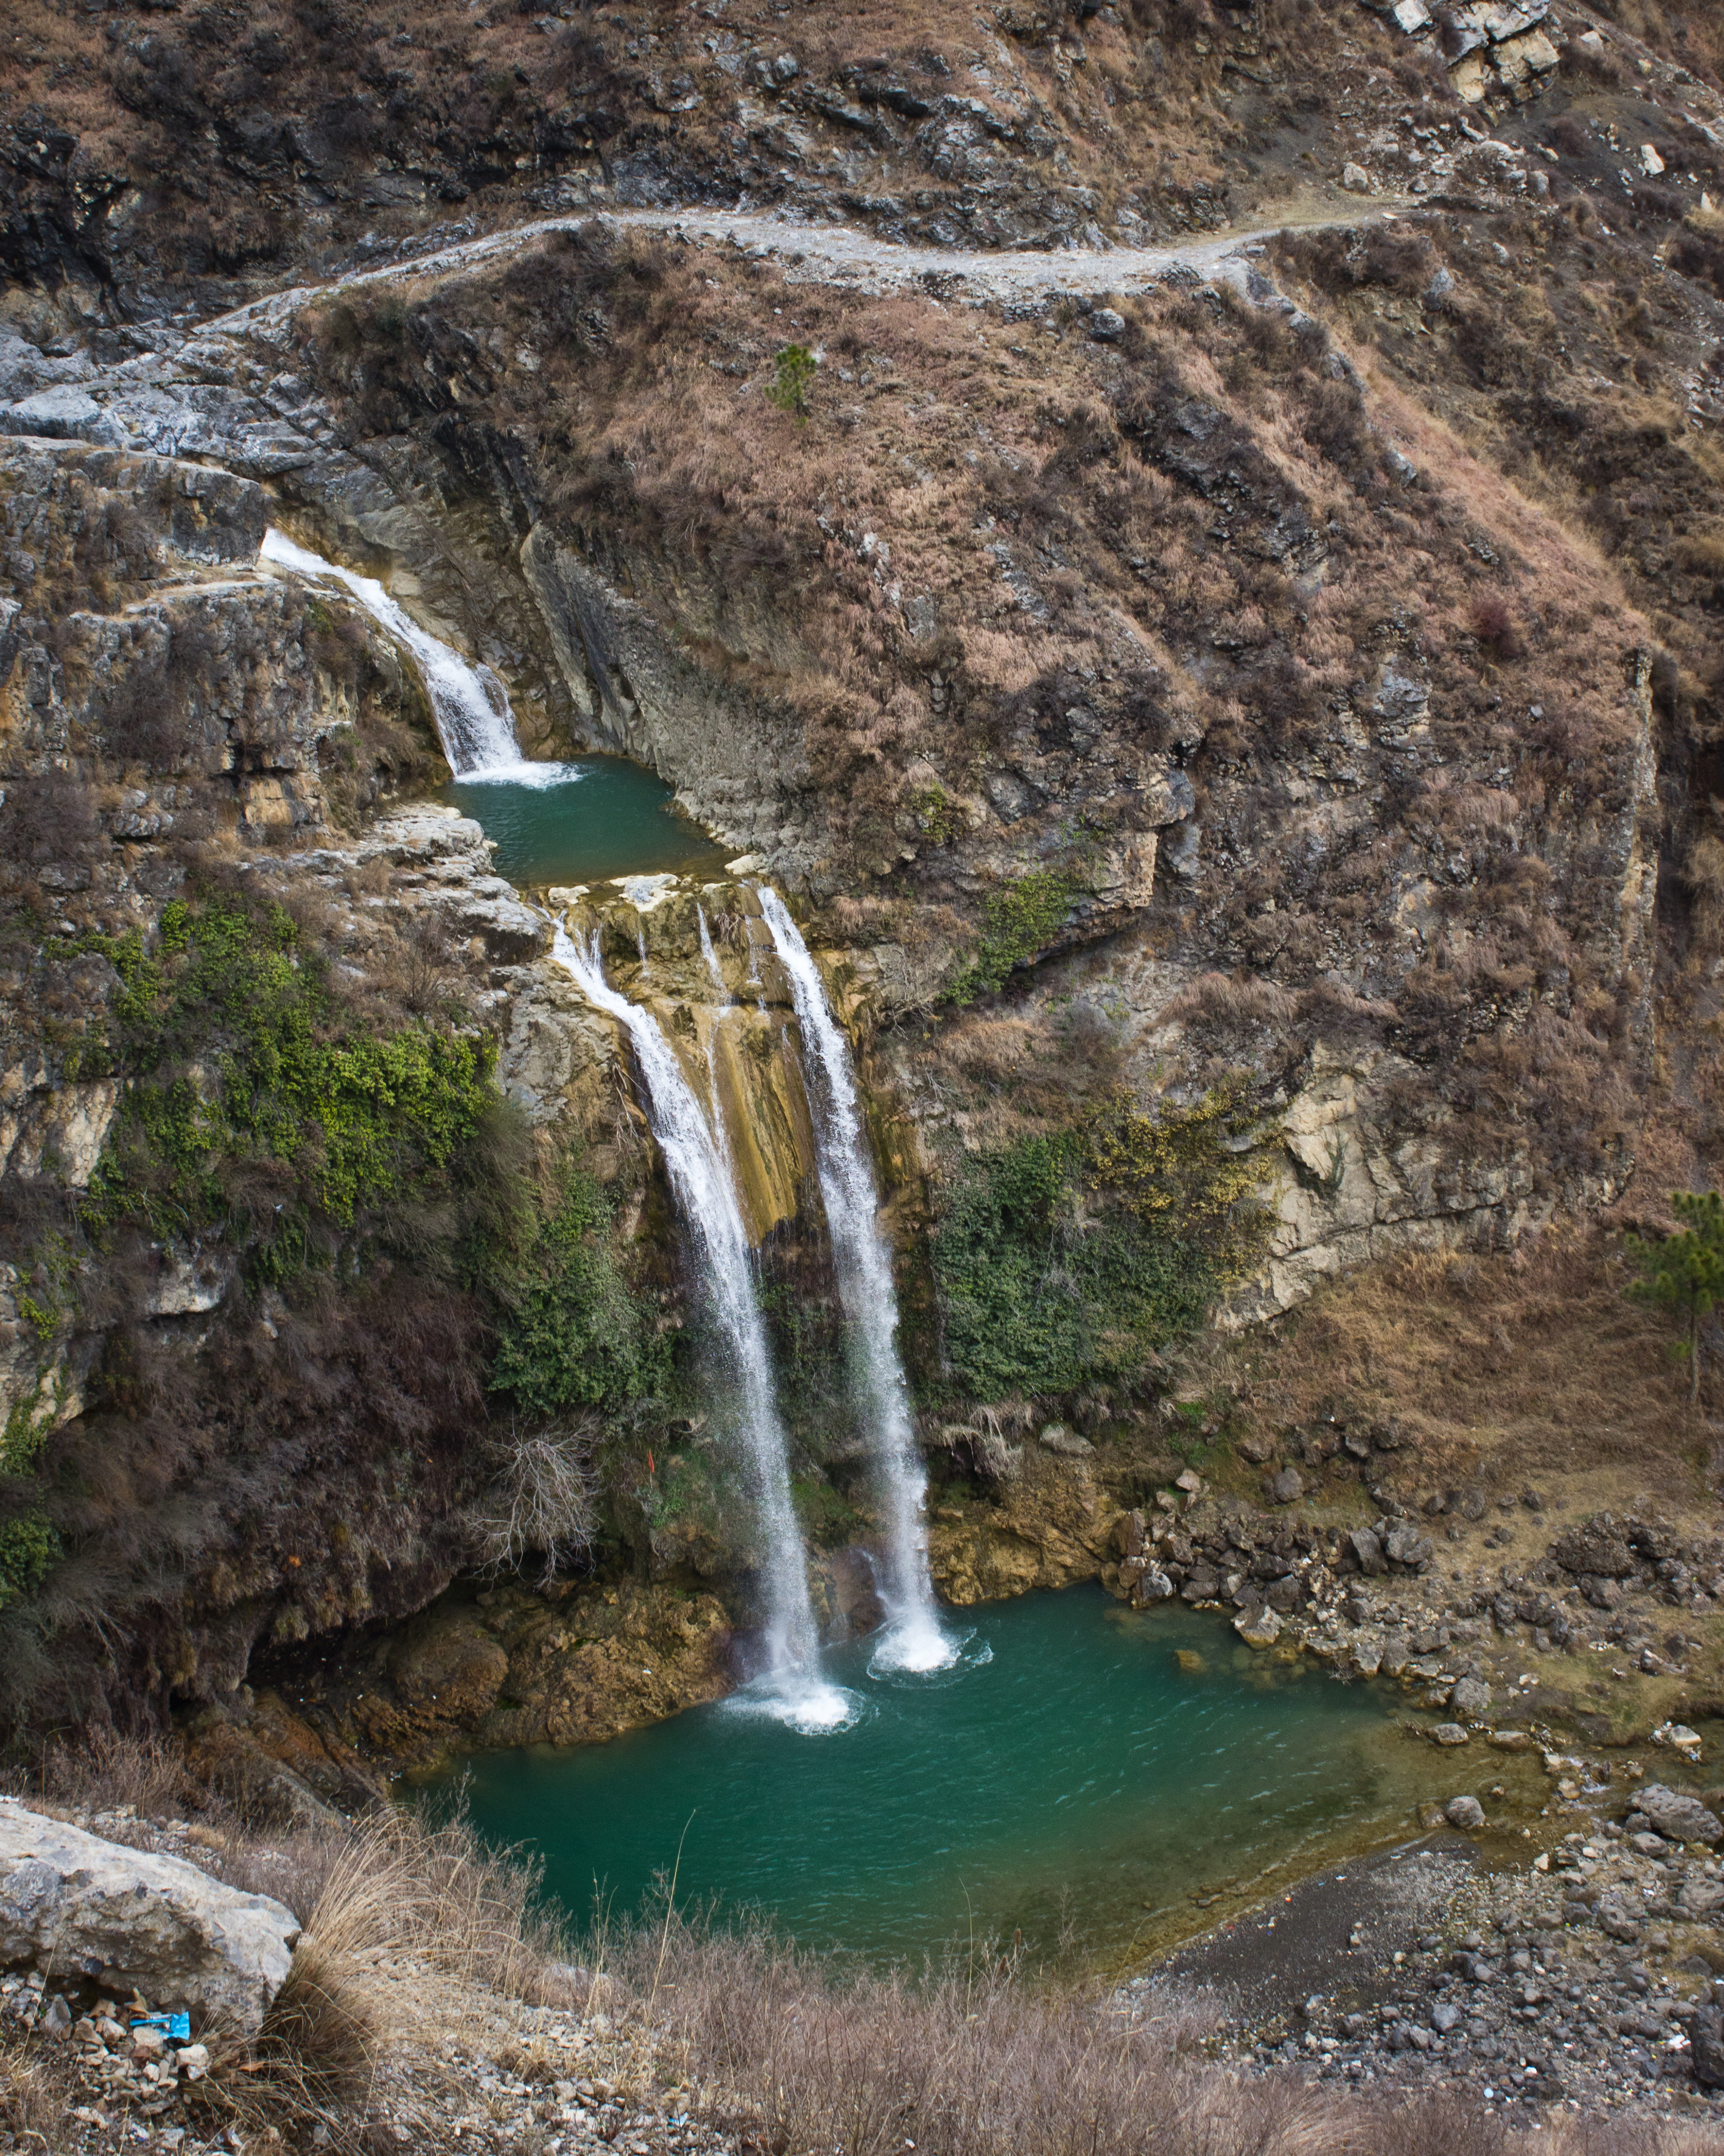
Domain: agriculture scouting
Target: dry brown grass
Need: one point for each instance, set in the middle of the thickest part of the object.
(1503, 1368)
(34, 2110)
(415, 1933)
(973, 2059)
(1133, 107)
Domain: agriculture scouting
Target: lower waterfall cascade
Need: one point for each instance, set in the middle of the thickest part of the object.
(695, 1158)
(863, 1263)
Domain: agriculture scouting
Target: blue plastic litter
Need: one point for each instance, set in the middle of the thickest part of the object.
(175, 2027)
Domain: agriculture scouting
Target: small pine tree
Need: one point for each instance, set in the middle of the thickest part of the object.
(792, 378)
(1684, 1274)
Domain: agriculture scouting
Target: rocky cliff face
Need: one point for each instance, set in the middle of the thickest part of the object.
(1280, 672)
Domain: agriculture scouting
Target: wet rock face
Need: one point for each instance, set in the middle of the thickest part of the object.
(575, 1665)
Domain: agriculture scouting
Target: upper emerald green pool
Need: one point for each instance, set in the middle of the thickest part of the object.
(598, 817)
(1082, 1767)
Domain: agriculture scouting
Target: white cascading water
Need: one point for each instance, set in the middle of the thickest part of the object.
(914, 1640)
(470, 704)
(701, 1177)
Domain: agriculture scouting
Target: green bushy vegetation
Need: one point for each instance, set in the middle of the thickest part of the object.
(1017, 923)
(253, 1093)
(792, 378)
(1683, 1274)
(29, 1549)
(572, 1334)
(1068, 1258)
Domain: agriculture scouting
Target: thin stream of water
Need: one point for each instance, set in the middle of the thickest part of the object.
(863, 1263)
(470, 703)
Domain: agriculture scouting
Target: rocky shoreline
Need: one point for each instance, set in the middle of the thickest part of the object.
(1589, 1977)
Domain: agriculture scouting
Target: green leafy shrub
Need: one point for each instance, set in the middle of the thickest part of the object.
(1017, 924)
(1191, 1169)
(245, 1075)
(940, 817)
(572, 1334)
(1069, 1260)
(792, 378)
(29, 1549)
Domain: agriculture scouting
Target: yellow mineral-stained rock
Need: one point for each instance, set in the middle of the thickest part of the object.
(723, 1005)
(608, 1660)
(514, 1667)
(1053, 1527)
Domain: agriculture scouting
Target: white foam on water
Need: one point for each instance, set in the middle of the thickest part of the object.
(816, 1709)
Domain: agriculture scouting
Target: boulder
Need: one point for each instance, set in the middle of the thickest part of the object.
(1595, 1547)
(1618, 1917)
(1258, 1628)
(1470, 1698)
(1678, 1818)
(1701, 1900)
(1706, 2042)
(74, 1905)
(1402, 1544)
(1285, 1488)
(1464, 1812)
(1449, 1732)
(1153, 1585)
(1368, 1550)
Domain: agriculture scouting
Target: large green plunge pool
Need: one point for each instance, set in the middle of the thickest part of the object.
(1082, 1770)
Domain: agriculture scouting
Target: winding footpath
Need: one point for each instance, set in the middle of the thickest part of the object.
(838, 255)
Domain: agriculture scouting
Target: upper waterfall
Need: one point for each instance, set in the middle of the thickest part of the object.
(864, 1266)
(470, 704)
(696, 1159)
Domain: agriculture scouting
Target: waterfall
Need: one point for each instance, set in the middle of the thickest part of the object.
(711, 955)
(695, 1156)
(470, 704)
(913, 1640)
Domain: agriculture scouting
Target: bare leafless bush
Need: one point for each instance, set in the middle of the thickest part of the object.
(1493, 626)
(540, 1500)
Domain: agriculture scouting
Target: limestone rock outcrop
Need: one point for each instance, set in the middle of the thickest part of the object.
(73, 1905)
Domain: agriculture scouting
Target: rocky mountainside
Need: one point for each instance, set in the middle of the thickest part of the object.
(1184, 537)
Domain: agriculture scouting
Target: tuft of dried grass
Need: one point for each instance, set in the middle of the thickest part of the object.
(33, 2110)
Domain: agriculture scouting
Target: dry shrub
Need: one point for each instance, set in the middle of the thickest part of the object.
(111, 1770)
(398, 1892)
(1493, 626)
(540, 1501)
(321, 2041)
